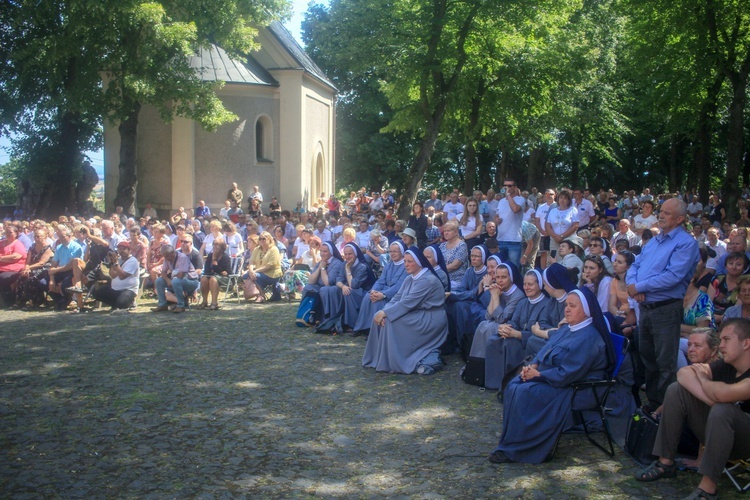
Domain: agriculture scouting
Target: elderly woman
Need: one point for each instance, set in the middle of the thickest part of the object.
(12, 262)
(33, 280)
(358, 278)
(216, 269)
(599, 247)
(505, 295)
(435, 258)
(265, 267)
(506, 348)
(455, 253)
(407, 333)
(382, 292)
(724, 289)
(538, 402)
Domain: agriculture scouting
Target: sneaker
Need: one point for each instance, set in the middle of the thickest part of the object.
(425, 370)
(74, 289)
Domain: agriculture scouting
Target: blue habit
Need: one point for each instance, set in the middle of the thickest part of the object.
(535, 412)
(389, 284)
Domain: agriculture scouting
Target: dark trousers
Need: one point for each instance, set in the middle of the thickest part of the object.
(62, 299)
(263, 281)
(7, 297)
(116, 299)
(724, 429)
(658, 344)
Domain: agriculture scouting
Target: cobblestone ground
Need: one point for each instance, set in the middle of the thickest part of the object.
(242, 403)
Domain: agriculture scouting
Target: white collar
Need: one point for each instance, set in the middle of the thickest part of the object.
(399, 263)
(538, 299)
(582, 324)
(419, 274)
(510, 290)
(484, 269)
(562, 299)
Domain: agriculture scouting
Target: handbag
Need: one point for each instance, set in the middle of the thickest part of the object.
(641, 436)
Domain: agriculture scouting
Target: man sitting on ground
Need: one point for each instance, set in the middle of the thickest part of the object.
(714, 400)
(124, 273)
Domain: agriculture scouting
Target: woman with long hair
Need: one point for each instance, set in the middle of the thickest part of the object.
(597, 279)
(470, 224)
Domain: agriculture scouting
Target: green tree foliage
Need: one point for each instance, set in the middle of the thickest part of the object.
(59, 51)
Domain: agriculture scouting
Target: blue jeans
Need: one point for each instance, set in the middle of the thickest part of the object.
(510, 251)
(180, 286)
(263, 281)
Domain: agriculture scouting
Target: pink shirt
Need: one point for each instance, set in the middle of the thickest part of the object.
(10, 248)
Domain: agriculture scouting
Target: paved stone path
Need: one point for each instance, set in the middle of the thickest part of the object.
(241, 403)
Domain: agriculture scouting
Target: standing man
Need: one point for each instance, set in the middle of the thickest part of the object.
(540, 221)
(235, 194)
(454, 208)
(434, 202)
(257, 195)
(585, 209)
(509, 220)
(658, 280)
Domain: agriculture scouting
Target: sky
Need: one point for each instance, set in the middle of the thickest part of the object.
(294, 25)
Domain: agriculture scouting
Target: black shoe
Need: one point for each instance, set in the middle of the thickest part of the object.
(355, 333)
(498, 457)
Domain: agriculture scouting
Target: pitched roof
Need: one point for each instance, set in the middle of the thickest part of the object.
(298, 53)
(214, 64)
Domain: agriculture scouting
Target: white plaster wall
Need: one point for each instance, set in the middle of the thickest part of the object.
(154, 161)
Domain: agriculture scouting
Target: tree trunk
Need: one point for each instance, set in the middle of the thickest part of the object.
(735, 147)
(674, 164)
(126, 188)
(703, 137)
(537, 159)
(419, 166)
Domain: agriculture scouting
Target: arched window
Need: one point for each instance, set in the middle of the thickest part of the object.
(264, 139)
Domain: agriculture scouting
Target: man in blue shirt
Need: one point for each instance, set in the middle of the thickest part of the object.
(202, 210)
(658, 280)
(61, 272)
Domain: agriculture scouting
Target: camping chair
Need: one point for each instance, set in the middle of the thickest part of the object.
(600, 390)
(736, 467)
(234, 279)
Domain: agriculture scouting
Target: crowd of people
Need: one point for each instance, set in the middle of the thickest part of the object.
(500, 278)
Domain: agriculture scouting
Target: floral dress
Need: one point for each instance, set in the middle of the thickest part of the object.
(32, 287)
(461, 253)
(701, 308)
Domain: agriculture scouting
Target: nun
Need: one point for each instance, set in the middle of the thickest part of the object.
(436, 259)
(382, 291)
(557, 284)
(406, 335)
(537, 403)
(328, 271)
(505, 295)
(506, 348)
(467, 291)
(356, 279)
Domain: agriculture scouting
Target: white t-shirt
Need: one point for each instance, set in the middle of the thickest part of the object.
(695, 207)
(528, 214)
(302, 247)
(561, 220)
(639, 222)
(131, 267)
(510, 227)
(585, 211)
(363, 239)
(541, 213)
(453, 210)
(469, 227)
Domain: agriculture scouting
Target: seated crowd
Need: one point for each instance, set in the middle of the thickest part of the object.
(526, 286)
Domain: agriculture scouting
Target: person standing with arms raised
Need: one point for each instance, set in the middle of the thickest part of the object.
(509, 219)
(658, 280)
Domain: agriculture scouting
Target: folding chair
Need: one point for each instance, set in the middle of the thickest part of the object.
(736, 467)
(234, 279)
(600, 390)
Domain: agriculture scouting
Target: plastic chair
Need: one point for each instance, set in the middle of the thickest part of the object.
(234, 279)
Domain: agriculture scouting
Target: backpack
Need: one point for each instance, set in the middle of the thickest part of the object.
(307, 311)
(473, 372)
(331, 325)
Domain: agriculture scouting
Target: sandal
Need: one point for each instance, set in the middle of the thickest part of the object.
(213, 307)
(656, 470)
(698, 494)
(202, 306)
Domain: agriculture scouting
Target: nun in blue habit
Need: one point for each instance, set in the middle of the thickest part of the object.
(382, 292)
(357, 279)
(537, 403)
(458, 301)
(506, 294)
(406, 335)
(557, 284)
(328, 271)
(435, 256)
(506, 348)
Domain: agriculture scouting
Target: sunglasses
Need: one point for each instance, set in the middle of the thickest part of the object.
(594, 245)
(508, 185)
